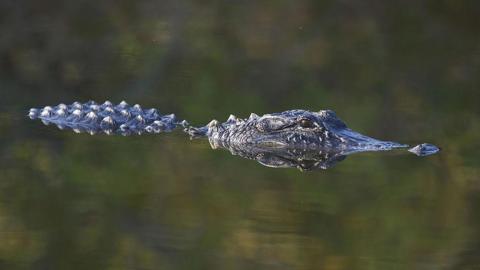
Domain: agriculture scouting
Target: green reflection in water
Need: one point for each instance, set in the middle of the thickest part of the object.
(404, 72)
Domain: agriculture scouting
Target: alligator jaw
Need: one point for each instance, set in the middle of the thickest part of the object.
(344, 140)
(358, 142)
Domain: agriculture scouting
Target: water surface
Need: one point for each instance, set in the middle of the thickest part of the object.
(407, 73)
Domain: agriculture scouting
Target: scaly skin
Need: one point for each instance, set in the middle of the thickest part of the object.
(295, 138)
(106, 118)
(291, 129)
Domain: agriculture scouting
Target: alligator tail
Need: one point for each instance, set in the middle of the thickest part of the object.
(107, 118)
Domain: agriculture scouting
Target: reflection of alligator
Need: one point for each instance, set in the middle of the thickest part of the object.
(302, 158)
(277, 139)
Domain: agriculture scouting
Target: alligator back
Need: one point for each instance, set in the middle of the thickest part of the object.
(106, 118)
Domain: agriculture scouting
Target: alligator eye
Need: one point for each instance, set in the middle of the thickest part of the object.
(306, 123)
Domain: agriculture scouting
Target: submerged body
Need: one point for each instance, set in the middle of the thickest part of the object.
(278, 134)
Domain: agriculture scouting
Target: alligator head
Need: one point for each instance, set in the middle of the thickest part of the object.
(293, 129)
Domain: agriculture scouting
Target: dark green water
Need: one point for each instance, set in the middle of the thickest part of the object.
(407, 72)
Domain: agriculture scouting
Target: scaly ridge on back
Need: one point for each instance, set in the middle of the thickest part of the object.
(106, 118)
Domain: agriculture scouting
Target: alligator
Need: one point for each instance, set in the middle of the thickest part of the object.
(296, 138)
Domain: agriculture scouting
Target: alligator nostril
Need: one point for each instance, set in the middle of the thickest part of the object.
(424, 149)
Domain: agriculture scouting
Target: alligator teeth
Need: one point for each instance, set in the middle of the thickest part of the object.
(94, 107)
(48, 108)
(137, 107)
(123, 127)
(62, 106)
(123, 104)
(77, 130)
(253, 116)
